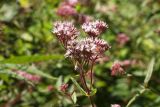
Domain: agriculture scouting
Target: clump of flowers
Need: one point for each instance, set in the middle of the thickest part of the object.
(67, 8)
(94, 28)
(88, 49)
(84, 51)
(65, 31)
(117, 69)
(122, 38)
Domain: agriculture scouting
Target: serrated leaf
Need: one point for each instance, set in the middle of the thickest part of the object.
(30, 59)
(79, 87)
(149, 71)
(74, 97)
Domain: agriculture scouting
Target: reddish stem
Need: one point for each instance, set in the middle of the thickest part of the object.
(83, 80)
(91, 75)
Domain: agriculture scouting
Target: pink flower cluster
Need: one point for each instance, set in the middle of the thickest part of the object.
(67, 8)
(86, 49)
(34, 78)
(122, 38)
(65, 31)
(94, 28)
(117, 69)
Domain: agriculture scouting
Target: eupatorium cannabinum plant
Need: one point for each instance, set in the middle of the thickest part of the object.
(85, 51)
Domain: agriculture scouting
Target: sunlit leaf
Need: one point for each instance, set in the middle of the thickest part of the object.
(149, 71)
(59, 82)
(79, 87)
(93, 92)
(24, 3)
(74, 97)
(34, 70)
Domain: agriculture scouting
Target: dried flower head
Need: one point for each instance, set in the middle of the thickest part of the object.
(65, 31)
(66, 10)
(115, 105)
(86, 49)
(117, 69)
(94, 28)
(63, 87)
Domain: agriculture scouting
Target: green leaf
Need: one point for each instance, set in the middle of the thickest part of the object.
(59, 81)
(34, 70)
(93, 92)
(79, 87)
(149, 71)
(30, 59)
(8, 11)
(74, 97)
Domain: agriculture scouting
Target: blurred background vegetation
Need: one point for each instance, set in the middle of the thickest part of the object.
(26, 43)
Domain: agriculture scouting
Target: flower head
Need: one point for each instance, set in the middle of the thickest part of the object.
(117, 69)
(65, 31)
(66, 10)
(122, 38)
(87, 49)
(94, 28)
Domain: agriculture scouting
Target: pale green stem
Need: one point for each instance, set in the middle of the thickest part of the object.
(135, 97)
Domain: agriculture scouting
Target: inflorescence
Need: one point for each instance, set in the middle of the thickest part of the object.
(86, 49)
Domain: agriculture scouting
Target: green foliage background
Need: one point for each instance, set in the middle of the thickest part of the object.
(26, 43)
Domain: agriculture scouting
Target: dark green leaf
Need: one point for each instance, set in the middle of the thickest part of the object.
(30, 59)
